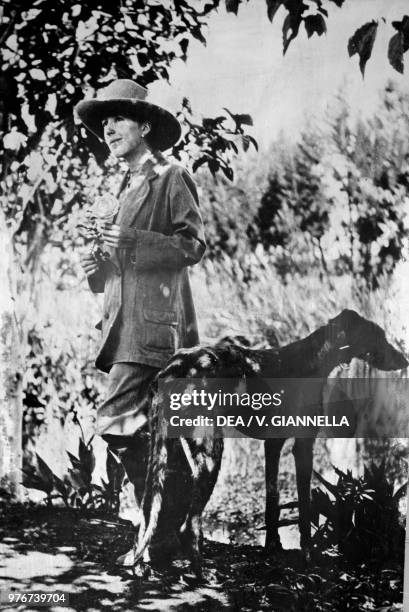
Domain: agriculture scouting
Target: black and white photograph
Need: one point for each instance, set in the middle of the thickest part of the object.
(204, 305)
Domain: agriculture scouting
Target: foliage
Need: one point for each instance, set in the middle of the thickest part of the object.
(213, 143)
(330, 587)
(332, 582)
(90, 44)
(362, 43)
(53, 376)
(294, 200)
(369, 177)
(394, 453)
(338, 199)
(229, 206)
(399, 43)
(76, 489)
(312, 15)
(45, 163)
(363, 518)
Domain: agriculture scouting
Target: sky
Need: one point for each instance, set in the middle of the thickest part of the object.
(243, 68)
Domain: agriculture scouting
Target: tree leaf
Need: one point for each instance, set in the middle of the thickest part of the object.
(232, 6)
(45, 472)
(395, 52)
(184, 43)
(76, 479)
(244, 119)
(315, 24)
(331, 487)
(228, 172)
(212, 123)
(87, 459)
(253, 142)
(76, 463)
(403, 26)
(61, 487)
(199, 162)
(362, 43)
(239, 119)
(213, 165)
(272, 8)
(33, 481)
(400, 492)
(399, 43)
(115, 473)
(207, 8)
(247, 140)
(291, 26)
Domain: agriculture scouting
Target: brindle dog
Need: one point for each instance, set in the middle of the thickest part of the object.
(182, 473)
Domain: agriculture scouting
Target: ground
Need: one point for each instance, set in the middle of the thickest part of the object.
(56, 549)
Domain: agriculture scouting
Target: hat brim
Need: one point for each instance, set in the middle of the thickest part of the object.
(165, 128)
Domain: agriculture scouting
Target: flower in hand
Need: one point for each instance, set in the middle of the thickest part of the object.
(105, 208)
(117, 236)
(103, 212)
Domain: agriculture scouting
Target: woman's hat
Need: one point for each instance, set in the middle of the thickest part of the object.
(125, 97)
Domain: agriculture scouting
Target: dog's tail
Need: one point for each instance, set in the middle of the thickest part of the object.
(155, 478)
(178, 368)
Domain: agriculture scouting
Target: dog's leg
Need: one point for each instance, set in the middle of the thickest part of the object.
(272, 457)
(191, 538)
(191, 530)
(207, 466)
(303, 452)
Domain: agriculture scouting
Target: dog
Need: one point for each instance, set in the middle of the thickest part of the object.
(182, 472)
(345, 337)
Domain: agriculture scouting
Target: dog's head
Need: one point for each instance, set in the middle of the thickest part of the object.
(353, 336)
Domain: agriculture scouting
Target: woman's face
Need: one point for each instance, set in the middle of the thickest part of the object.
(124, 136)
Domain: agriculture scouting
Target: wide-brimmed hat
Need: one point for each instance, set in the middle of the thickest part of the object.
(125, 97)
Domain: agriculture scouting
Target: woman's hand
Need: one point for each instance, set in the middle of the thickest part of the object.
(88, 263)
(118, 237)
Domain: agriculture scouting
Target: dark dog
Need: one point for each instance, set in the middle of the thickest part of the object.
(345, 337)
(188, 477)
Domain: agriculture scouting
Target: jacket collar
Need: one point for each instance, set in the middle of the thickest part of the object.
(152, 166)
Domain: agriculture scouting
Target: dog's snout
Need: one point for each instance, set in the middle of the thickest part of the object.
(402, 361)
(396, 359)
(389, 359)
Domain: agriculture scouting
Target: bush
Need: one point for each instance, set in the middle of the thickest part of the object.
(363, 518)
(76, 489)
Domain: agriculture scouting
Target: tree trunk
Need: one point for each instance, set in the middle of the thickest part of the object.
(11, 407)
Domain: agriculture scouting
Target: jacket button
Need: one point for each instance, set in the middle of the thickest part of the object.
(106, 315)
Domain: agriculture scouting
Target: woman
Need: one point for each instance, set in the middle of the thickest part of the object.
(157, 233)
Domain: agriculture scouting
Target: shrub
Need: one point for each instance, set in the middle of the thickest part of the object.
(362, 518)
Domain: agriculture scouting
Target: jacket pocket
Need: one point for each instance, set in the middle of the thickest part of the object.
(160, 329)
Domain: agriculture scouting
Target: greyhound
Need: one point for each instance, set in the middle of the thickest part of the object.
(345, 337)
